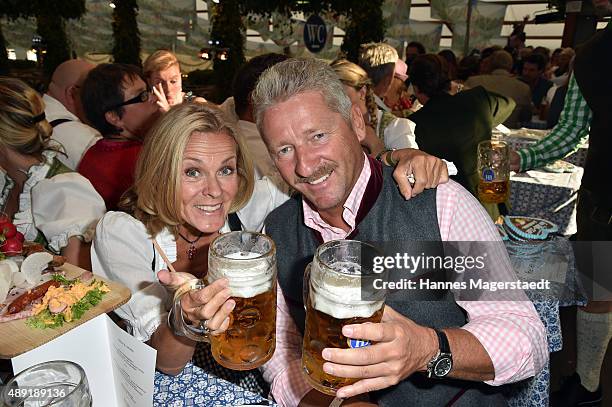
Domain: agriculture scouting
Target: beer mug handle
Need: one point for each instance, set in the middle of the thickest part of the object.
(182, 328)
(306, 285)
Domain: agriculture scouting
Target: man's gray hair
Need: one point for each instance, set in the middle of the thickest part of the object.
(298, 75)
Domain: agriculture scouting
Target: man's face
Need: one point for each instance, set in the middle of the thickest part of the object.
(531, 72)
(411, 54)
(315, 150)
(74, 93)
(137, 117)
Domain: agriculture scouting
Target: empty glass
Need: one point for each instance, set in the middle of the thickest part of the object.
(55, 383)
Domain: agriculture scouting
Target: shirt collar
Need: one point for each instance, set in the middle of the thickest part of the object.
(313, 219)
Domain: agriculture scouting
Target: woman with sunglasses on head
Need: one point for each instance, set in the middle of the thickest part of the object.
(48, 202)
(163, 74)
(118, 103)
(385, 130)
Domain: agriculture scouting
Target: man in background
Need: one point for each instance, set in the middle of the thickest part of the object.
(65, 113)
(501, 81)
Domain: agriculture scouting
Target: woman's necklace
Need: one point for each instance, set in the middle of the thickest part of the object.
(191, 252)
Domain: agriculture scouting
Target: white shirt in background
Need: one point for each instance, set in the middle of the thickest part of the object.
(74, 137)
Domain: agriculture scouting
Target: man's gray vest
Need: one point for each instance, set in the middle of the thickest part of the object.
(391, 219)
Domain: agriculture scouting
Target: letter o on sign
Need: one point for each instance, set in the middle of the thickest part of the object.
(315, 34)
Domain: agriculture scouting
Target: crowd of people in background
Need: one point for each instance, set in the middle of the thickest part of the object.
(119, 157)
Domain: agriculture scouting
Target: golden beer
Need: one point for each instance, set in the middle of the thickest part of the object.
(493, 171)
(248, 261)
(494, 191)
(325, 331)
(250, 338)
(336, 294)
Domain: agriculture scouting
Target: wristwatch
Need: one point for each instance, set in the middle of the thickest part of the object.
(441, 364)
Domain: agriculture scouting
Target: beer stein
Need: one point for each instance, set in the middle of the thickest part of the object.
(493, 171)
(338, 291)
(248, 261)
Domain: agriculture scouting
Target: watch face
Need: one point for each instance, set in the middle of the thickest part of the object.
(443, 367)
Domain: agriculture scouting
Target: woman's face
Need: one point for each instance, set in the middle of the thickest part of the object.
(209, 180)
(170, 79)
(395, 92)
(357, 97)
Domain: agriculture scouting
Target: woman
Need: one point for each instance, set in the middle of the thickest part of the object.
(163, 74)
(47, 201)
(206, 175)
(393, 132)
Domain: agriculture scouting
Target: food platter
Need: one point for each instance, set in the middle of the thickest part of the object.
(16, 337)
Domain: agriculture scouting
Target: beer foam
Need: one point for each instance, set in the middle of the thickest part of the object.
(247, 278)
(242, 255)
(339, 295)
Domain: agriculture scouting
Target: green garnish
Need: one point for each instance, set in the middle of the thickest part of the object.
(45, 319)
(90, 300)
(63, 280)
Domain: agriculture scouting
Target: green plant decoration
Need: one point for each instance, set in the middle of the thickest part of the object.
(126, 36)
(229, 30)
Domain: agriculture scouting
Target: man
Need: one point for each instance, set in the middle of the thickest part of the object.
(413, 50)
(378, 60)
(65, 113)
(587, 110)
(243, 86)
(532, 74)
(312, 132)
(451, 127)
(119, 105)
(502, 82)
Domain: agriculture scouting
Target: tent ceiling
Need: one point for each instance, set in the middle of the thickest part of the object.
(160, 21)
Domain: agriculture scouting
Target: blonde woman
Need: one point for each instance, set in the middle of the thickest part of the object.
(48, 202)
(393, 132)
(163, 74)
(193, 180)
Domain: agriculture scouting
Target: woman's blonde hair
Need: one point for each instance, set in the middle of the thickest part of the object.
(159, 61)
(23, 126)
(155, 198)
(356, 77)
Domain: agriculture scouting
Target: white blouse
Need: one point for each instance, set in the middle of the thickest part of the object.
(123, 251)
(60, 207)
(398, 134)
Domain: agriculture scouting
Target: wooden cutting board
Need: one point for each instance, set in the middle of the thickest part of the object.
(16, 337)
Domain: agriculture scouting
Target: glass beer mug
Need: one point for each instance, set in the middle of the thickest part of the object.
(338, 291)
(493, 171)
(248, 261)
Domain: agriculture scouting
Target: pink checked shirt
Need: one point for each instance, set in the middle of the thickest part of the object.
(510, 331)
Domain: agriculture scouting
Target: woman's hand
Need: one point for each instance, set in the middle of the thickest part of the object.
(162, 102)
(211, 303)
